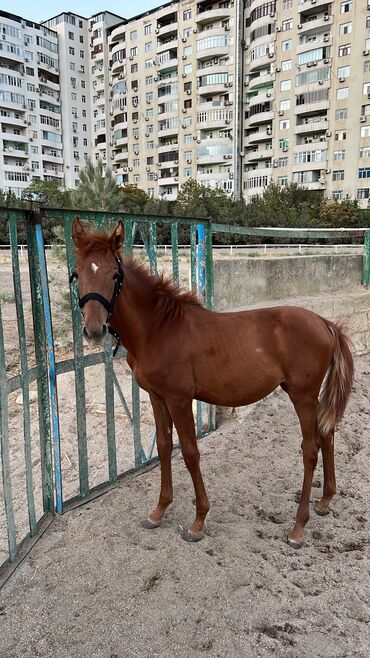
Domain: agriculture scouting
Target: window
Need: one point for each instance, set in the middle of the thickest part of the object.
(339, 155)
(186, 15)
(337, 195)
(366, 88)
(148, 29)
(72, 66)
(81, 39)
(365, 152)
(342, 93)
(71, 50)
(338, 174)
(365, 131)
(344, 71)
(283, 162)
(341, 114)
(188, 139)
(367, 21)
(344, 50)
(83, 99)
(188, 68)
(82, 54)
(148, 63)
(282, 181)
(133, 35)
(149, 80)
(71, 36)
(367, 65)
(363, 193)
(134, 68)
(148, 47)
(286, 65)
(287, 4)
(284, 124)
(287, 25)
(285, 105)
(286, 45)
(345, 7)
(345, 28)
(285, 85)
(364, 172)
(133, 51)
(340, 135)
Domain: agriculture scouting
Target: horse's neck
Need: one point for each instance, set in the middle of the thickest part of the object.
(134, 312)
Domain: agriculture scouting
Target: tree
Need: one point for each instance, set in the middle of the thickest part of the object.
(56, 195)
(133, 199)
(97, 189)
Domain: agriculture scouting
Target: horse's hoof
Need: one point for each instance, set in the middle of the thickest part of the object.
(321, 512)
(148, 524)
(294, 544)
(191, 536)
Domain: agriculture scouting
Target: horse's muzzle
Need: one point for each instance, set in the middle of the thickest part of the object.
(95, 335)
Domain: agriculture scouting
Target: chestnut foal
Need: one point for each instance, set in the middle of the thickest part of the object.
(180, 351)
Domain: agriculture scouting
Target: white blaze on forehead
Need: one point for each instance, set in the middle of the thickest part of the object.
(94, 267)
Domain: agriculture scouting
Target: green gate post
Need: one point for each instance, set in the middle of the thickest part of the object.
(366, 261)
(42, 364)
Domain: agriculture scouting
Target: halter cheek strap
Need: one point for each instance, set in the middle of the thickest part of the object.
(118, 283)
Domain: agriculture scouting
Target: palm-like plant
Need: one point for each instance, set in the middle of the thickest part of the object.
(97, 189)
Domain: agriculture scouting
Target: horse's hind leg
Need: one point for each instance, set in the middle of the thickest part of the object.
(163, 422)
(329, 490)
(306, 408)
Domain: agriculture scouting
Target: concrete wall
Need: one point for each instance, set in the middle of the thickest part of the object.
(245, 281)
(328, 285)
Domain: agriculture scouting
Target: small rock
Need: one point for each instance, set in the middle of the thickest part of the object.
(32, 397)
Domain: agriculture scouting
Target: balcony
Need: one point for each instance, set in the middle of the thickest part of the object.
(311, 127)
(263, 80)
(216, 88)
(261, 117)
(311, 26)
(209, 15)
(167, 26)
(261, 62)
(168, 148)
(216, 50)
(261, 97)
(259, 136)
(214, 118)
(167, 131)
(311, 107)
(310, 6)
(120, 156)
(257, 156)
(309, 166)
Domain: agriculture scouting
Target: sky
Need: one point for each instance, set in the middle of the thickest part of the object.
(39, 10)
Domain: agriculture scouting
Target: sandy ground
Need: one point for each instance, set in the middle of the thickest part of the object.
(99, 585)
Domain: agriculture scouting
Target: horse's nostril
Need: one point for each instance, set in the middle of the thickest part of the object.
(104, 329)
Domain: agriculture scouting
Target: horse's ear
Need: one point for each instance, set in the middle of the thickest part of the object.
(78, 231)
(117, 237)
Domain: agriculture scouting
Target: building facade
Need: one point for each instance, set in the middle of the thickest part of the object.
(233, 94)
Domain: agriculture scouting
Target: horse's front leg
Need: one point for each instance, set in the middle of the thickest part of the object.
(182, 415)
(164, 424)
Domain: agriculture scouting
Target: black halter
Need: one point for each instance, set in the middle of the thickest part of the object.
(108, 305)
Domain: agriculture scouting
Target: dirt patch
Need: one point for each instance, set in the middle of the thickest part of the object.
(99, 585)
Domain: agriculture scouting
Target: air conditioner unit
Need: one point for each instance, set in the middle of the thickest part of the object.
(362, 118)
(321, 180)
(184, 75)
(183, 57)
(326, 17)
(195, 30)
(278, 29)
(326, 60)
(156, 31)
(176, 162)
(227, 28)
(198, 141)
(225, 157)
(272, 15)
(321, 82)
(341, 79)
(313, 2)
(155, 79)
(281, 113)
(146, 134)
(314, 63)
(183, 125)
(327, 171)
(326, 38)
(131, 58)
(183, 39)
(227, 121)
(271, 55)
(148, 102)
(268, 94)
(135, 90)
(246, 84)
(299, 26)
(277, 69)
(130, 168)
(184, 110)
(148, 168)
(309, 64)
(134, 121)
(365, 52)
(328, 133)
(188, 91)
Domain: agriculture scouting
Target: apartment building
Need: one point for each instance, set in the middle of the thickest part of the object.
(172, 96)
(234, 94)
(30, 109)
(307, 83)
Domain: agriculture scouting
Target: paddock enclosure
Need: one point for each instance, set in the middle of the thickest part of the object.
(73, 421)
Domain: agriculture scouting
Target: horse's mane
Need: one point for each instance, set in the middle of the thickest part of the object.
(171, 299)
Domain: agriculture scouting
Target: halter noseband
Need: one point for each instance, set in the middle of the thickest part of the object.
(108, 305)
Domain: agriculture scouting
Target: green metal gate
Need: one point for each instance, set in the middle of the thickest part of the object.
(40, 366)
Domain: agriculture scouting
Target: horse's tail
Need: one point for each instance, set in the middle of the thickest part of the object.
(338, 382)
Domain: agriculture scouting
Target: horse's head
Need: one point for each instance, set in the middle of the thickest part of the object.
(100, 276)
